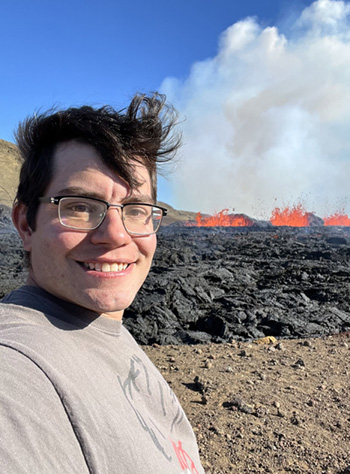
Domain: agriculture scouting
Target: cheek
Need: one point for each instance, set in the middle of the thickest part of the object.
(147, 246)
(68, 240)
(56, 243)
(152, 245)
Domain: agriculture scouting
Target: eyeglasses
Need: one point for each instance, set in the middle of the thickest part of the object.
(88, 213)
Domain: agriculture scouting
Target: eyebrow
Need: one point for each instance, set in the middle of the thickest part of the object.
(79, 191)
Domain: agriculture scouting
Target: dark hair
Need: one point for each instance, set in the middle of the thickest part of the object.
(141, 133)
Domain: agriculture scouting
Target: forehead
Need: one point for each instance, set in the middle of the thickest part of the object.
(76, 163)
(74, 157)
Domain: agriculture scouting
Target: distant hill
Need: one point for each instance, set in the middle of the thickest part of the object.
(10, 164)
(9, 171)
(175, 216)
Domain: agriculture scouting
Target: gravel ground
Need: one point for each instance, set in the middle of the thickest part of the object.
(265, 408)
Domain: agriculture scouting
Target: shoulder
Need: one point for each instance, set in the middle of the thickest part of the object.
(23, 385)
(35, 431)
(13, 316)
(16, 319)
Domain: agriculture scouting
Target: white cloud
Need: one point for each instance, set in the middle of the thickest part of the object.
(267, 120)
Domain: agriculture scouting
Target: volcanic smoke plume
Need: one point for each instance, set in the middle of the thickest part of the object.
(267, 120)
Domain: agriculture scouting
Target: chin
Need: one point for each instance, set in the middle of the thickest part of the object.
(109, 304)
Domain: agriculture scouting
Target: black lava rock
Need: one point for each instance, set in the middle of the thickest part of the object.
(223, 284)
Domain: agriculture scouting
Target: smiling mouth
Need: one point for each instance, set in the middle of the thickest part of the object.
(106, 267)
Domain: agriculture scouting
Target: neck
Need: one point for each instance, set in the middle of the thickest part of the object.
(117, 315)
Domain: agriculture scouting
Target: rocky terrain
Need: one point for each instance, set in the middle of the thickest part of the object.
(224, 284)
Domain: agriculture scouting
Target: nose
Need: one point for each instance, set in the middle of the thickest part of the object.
(112, 230)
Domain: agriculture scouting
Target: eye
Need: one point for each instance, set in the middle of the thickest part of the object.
(80, 207)
(77, 207)
(137, 211)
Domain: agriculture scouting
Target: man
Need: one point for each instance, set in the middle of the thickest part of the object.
(77, 394)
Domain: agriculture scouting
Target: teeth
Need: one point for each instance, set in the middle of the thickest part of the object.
(106, 267)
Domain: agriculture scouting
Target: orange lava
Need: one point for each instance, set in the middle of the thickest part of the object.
(224, 219)
(295, 216)
(338, 218)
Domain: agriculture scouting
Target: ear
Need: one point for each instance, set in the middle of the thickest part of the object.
(19, 218)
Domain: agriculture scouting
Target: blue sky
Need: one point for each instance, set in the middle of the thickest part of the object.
(74, 52)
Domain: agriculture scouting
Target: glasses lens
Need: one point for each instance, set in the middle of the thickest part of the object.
(81, 213)
(142, 219)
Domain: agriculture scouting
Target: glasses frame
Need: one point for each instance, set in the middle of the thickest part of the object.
(57, 199)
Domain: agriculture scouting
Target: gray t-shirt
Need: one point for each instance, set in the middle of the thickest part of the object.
(78, 395)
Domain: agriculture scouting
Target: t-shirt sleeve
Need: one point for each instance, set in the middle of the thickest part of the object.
(36, 435)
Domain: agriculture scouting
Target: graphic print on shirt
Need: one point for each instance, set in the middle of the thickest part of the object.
(185, 460)
(137, 383)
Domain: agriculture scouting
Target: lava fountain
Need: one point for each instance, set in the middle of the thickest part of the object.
(338, 218)
(224, 219)
(295, 216)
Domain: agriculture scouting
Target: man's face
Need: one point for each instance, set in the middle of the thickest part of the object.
(60, 256)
